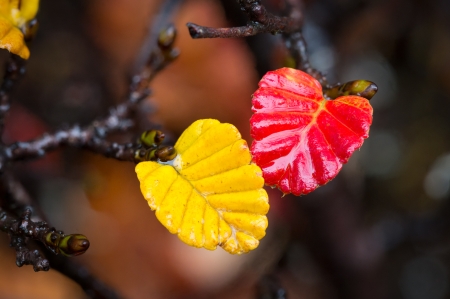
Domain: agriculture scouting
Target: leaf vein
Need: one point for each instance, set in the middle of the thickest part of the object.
(184, 212)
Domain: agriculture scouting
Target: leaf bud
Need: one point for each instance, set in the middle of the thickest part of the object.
(151, 138)
(362, 88)
(52, 239)
(139, 155)
(73, 245)
(167, 37)
(150, 155)
(171, 55)
(166, 153)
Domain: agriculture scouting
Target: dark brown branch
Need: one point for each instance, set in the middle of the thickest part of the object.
(24, 256)
(15, 208)
(296, 45)
(93, 136)
(94, 288)
(157, 24)
(17, 199)
(23, 229)
(269, 287)
(260, 21)
(157, 60)
(75, 137)
(15, 68)
(197, 31)
(90, 137)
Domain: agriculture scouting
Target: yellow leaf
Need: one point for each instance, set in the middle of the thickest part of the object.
(14, 15)
(210, 194)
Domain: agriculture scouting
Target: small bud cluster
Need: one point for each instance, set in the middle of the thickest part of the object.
(68, 245)
(362, 88)
(166, 40)
(151, 148)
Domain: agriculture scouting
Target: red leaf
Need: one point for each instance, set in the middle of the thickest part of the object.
(302, 139)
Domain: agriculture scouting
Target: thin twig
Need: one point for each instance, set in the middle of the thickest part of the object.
(119, 118)
(269, 287)
(94, 288)
(260, 21)
(25, 256)
(20, 227)
(296, 45)
(15, 209)
(23, 229)
(14, 70)
(158, 23)
(90, 137)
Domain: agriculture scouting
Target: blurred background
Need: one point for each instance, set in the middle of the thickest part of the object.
(381, 229)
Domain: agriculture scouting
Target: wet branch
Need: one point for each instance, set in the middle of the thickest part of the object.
(94, 287)
(14, 70)
(91, 137)
(120, 118)
(23, 229)
(259, 21)
(296, 45)
(16, 205)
